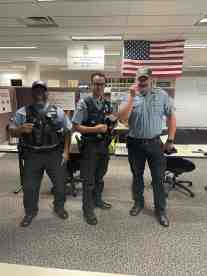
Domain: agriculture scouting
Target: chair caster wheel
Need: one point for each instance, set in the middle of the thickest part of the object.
(192, 195)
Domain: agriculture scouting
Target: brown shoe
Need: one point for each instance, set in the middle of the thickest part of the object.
(61, 213)
(136, 209)
(162, 218)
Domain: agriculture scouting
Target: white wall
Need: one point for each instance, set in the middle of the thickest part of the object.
(191, 101)
(5, 77)
(63, 76)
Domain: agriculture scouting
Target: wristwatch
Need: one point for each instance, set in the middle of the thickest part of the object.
(170, 141)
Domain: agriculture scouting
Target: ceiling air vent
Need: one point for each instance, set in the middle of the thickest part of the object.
(39, 22)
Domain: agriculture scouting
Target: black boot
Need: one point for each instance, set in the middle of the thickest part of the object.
(136, 209)
(90, 217)
(27, 220)
(162, 218)
(61, 213)
(102, 204)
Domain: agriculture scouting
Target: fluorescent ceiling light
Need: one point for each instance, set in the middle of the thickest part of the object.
(112, 53)
(196, 46)
(46, 0)
(204, 20)
(18, 47)
(197, 66)
(94, 38)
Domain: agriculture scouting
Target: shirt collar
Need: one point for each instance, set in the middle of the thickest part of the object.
(150, 92)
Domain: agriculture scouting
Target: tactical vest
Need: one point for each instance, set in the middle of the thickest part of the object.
(95, 116)
(46, 134)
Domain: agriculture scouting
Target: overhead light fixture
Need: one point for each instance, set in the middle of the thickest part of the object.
(195, 46)
(197, 66)
(96, 38)
(46, 0)
(18, 47)
(202, 21)
(112, 53)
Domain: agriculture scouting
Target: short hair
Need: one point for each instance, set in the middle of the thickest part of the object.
(99, 74)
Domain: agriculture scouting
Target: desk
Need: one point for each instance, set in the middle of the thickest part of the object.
(186, 151)
(14, 149)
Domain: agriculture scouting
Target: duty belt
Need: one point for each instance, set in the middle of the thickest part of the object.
(144, 140)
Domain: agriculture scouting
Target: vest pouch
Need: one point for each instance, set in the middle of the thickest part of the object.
(37, 135)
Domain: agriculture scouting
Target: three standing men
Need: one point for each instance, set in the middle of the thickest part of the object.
(44, 132)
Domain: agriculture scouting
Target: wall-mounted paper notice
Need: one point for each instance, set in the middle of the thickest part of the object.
(5, 102)
(65, 100)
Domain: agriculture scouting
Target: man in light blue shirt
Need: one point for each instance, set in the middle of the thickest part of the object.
(148, 107)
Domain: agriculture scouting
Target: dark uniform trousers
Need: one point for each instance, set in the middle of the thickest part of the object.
(138, 153)
(94, 165)
(35, 163)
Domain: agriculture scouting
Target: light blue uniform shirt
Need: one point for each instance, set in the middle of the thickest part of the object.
(62, 120)
(146, 118)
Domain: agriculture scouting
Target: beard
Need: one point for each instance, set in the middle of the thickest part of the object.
(143, 88)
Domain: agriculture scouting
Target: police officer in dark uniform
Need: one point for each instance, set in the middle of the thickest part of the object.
(43, 131)
(90, 119)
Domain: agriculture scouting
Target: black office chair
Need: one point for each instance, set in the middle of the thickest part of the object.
(72, 180)
(175, 166)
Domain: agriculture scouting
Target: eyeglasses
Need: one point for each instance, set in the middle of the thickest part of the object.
(142, 79)
(99, 84)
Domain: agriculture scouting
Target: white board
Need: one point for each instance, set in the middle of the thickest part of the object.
(65, 100)
(5, 102)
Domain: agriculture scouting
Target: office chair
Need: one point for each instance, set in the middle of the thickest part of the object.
(175, 166)
(73, 166)
(72, 180)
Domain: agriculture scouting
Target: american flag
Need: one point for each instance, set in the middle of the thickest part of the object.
(165, 58)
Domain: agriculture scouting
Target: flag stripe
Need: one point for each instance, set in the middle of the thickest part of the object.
(154, 67)
(166, 52)
(127, 75)
(168, 45)
(156, 71)
(165, 72)
(168, 41)
(128, 64)
(166, 56)
(149, 62)
(166, 49)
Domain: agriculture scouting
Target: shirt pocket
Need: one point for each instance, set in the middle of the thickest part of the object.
(137, 109)
(157, 107)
